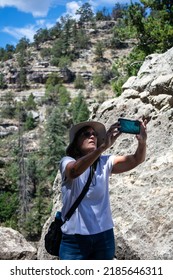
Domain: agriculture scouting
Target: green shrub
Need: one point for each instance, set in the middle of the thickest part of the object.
(30, 103)
(79, 82)
(45, 53)
(30, 122)
(64, 61)
(98, 80)
(117, 85)
(134, 61)
(8, 206)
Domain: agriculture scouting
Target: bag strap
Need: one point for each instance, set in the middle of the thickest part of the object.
(82, 194)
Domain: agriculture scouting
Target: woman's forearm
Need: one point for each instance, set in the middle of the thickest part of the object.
(80, 165)
(140, 153)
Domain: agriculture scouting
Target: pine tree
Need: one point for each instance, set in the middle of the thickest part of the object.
(80, 111)
(99, 50)
(54, 143)
(85, 12)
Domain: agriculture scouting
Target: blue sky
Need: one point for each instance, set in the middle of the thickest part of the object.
(22, 18)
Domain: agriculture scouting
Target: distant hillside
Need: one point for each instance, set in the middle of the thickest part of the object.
(36, 96)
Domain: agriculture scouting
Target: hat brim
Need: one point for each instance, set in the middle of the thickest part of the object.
(98, 127)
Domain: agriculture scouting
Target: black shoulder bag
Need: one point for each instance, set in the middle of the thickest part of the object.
(53, 237)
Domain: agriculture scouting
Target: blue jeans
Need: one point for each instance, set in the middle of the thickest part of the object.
(100, 246)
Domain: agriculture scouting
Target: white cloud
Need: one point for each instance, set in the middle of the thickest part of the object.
(19, 33)
(28, 31)
(72, 7)
(38, 8)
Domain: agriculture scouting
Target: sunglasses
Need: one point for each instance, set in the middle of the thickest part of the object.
(88, 134)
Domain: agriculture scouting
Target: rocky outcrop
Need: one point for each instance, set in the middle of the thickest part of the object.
(8, 127)
(13, 246)
(142, 199)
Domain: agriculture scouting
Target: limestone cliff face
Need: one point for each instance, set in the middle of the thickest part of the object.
(141, 199)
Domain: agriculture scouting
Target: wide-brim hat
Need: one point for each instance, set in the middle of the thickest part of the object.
(98, 127)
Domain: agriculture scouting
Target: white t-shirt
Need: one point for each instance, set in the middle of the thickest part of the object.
(93, 214)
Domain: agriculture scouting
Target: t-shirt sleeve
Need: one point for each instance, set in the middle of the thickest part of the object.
(111, 163)
(108, 161)
(63, 163)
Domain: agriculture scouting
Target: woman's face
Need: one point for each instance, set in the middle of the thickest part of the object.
(87, 141)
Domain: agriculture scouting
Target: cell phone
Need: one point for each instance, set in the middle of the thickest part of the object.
(129, 126)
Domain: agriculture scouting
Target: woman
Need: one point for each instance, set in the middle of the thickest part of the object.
(88, 234)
